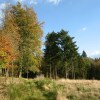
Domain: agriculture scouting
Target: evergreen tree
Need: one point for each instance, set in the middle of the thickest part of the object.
(68, 52)
(59, 54)
(84, 54)
(51, 53)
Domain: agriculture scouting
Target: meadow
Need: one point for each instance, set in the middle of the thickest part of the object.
(48, 89)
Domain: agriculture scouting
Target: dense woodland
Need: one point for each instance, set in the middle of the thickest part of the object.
(21, 54)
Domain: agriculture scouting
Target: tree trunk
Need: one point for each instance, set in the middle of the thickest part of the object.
(55, 73)
(5, 75)
(3, 71)
(7, 72)
(83, 75)
(73, 72)
(20, 74)
(50, 70)
(12, 71)
(46, 74)
(66, 74)
(27, 74)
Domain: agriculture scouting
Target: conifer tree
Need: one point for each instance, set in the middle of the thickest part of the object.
(84, 54)
(60, 54)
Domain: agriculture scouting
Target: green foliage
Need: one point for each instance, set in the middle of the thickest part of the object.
(61, 58)
(84, 54)
(20, 48)
(94, 70)
(30, 35)
(23, 31)
(59, 53)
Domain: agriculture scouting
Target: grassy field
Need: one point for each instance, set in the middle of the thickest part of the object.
(46, 89)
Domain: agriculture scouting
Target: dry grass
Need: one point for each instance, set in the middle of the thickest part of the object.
(2, 89)
(81, 89)
(62, 89)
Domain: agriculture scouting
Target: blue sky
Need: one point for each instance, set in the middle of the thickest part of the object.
(80, 17)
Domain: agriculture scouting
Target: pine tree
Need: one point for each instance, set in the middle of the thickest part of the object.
(69, 53)
(84, 54)
(60, 54)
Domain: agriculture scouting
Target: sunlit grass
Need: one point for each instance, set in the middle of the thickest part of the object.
(46, 89)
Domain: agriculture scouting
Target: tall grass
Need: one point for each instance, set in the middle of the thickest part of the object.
(46, 89)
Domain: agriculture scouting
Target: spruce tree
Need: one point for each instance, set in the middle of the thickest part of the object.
(60, 54)
(84, 54)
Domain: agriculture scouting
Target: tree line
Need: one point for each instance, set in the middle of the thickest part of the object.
(61, 59)
(21, 54)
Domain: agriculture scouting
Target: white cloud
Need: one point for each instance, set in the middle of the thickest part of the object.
(2, 5)
(84, 29)
(20, 0)
(33, 2)
(30, 1)
(54, 1)
(95, 52)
